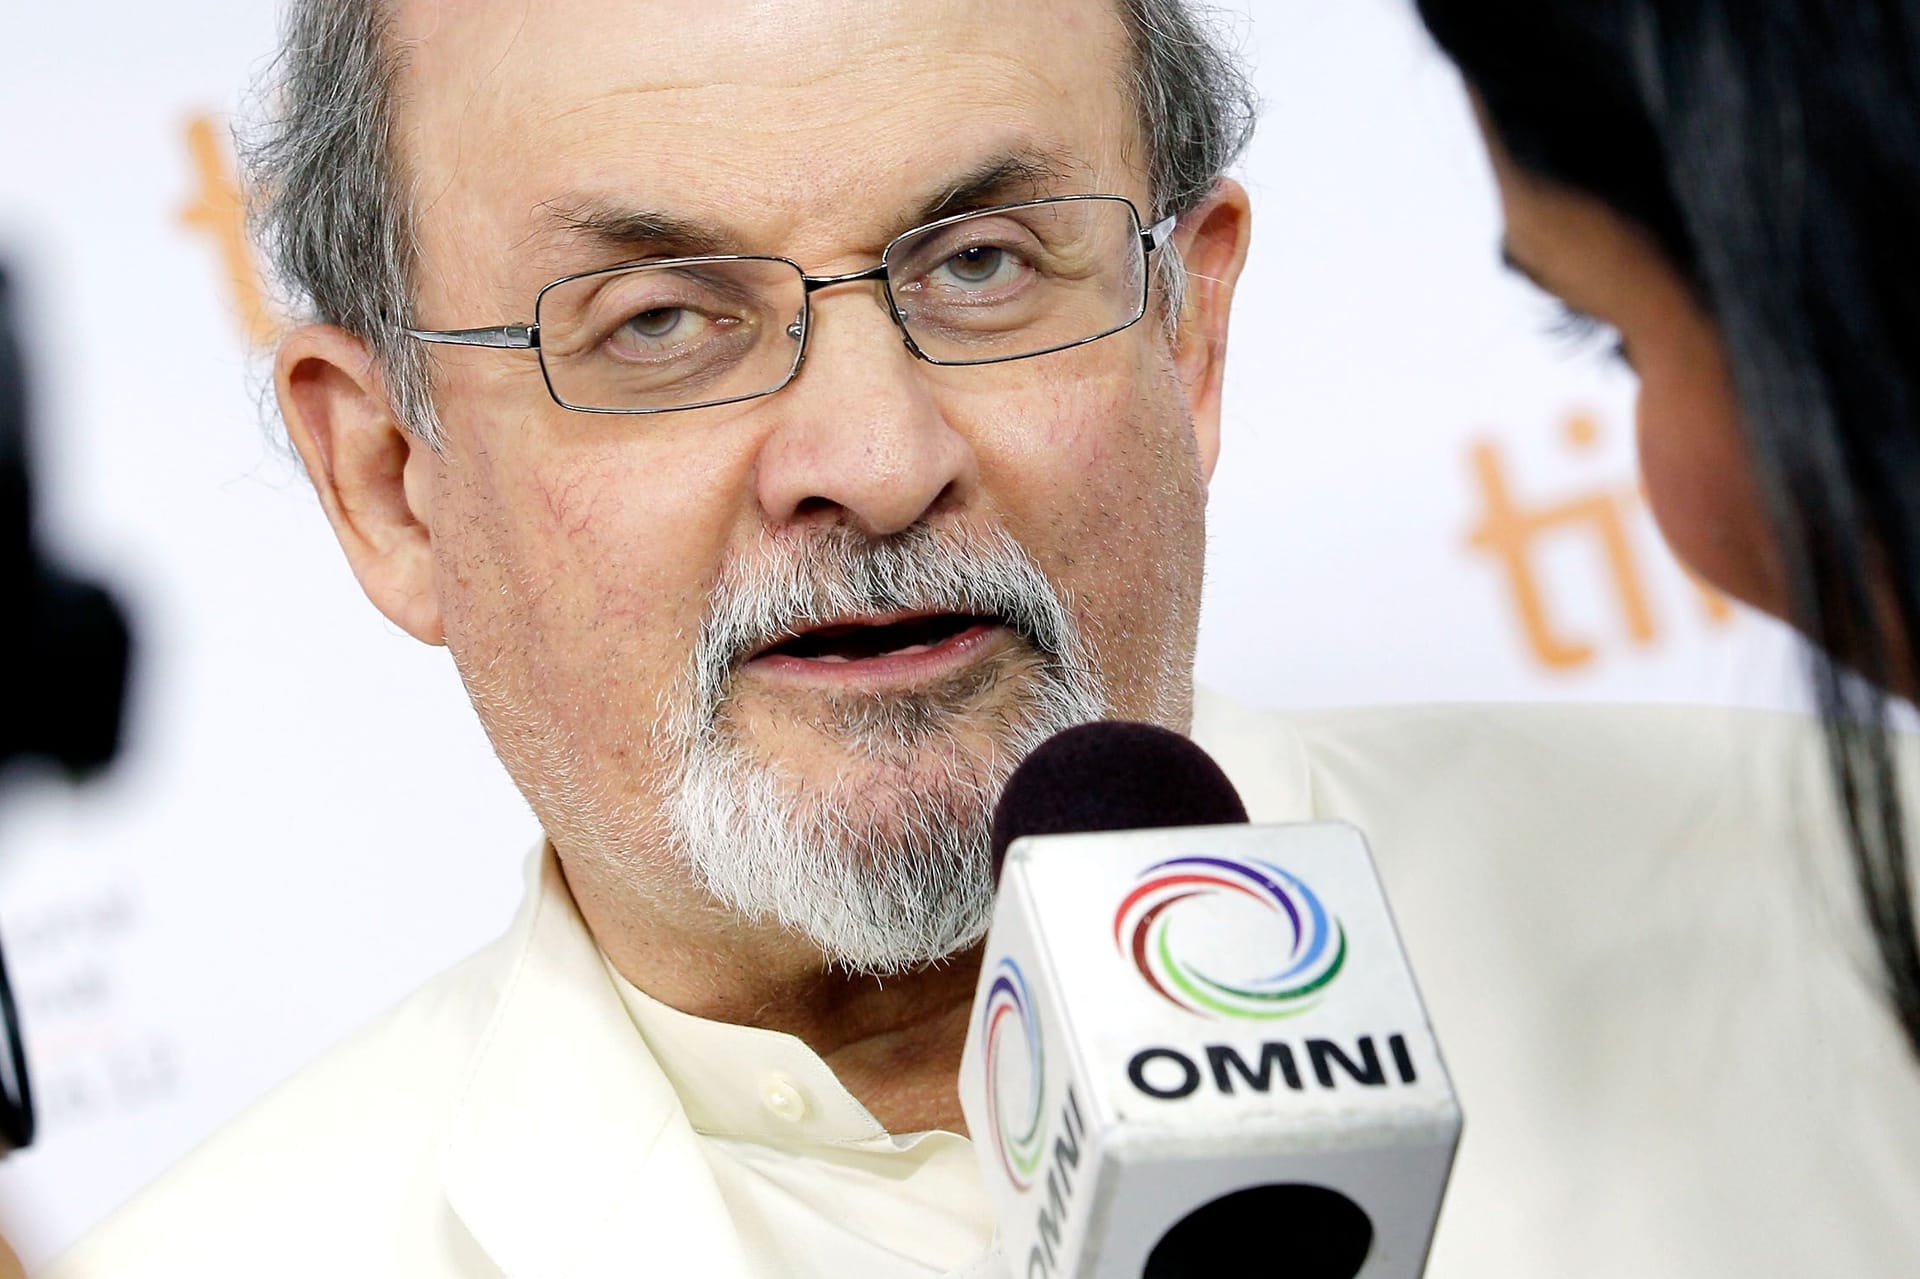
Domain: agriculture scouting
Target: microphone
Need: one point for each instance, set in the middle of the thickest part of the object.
(1197, 1048)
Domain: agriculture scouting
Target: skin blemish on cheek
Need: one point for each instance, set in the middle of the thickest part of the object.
(567, 507)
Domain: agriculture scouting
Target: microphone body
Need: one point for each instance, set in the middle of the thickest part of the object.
(1200, 1051)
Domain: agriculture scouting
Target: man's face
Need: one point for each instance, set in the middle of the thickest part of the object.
(580, 561)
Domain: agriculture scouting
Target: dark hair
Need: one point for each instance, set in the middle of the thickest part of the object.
(1772, 148)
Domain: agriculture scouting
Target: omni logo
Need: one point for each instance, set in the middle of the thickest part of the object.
(1172, 924)
(1015, 1061)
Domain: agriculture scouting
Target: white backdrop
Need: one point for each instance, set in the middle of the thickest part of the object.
(308, 820)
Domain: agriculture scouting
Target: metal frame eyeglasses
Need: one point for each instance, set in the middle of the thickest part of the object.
(1123, 310)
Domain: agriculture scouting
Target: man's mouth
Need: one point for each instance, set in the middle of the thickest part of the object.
(900, 643)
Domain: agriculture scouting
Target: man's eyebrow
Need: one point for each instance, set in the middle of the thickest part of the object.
(635, 233)
(1003, 179)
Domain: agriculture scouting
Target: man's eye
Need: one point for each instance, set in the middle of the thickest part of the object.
(979, 266)
(659, 324)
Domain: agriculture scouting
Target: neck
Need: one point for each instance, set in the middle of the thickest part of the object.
(893, 1041)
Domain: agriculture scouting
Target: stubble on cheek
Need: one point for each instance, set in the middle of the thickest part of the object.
(1127, 532)
(548, 620)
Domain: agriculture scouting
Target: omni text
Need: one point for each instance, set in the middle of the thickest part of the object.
(1167, 1074)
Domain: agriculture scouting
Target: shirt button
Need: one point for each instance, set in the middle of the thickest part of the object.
(782, 1096)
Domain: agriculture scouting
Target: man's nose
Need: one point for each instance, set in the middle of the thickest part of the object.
(860, 434)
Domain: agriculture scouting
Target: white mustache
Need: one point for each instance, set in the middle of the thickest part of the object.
(790, 585)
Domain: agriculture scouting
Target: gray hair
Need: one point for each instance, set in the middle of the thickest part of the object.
(875, 896)
(331, 202)
(328, 197)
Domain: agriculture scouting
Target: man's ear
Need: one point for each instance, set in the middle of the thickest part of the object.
(335, 406)
(1212, 239)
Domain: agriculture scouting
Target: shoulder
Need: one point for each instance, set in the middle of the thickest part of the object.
(1493, 726)
(1493, 744)
(340, 1159)
(1634, 928)
(1504, 777)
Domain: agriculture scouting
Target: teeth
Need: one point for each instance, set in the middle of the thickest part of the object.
(837, 659)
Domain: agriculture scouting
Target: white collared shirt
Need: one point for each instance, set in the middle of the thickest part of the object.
(1628, 924)
(816, 1187)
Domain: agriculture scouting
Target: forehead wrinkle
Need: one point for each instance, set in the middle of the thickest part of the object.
(822, 93)
(622, 227)
(819, 160)
(506, 86)
(860, 50)
(733, 71)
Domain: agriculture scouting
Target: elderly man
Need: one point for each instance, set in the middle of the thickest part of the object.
(787, 413)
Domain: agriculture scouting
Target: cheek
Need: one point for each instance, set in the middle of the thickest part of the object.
(1088, 436)
(578, 574)
(1700, 486)
(1096, 471)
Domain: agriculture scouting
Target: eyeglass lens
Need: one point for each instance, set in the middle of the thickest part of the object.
(998, 285)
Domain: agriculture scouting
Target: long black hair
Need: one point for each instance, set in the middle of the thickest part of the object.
(1772, 149)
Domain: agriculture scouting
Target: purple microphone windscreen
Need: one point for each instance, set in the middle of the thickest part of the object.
(1112, 776)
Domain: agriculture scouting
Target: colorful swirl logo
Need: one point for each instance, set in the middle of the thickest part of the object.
(1316, 948)
(1019, 1131)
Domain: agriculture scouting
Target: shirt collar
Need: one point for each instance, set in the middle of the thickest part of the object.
(755, 1085)
(567, 1134)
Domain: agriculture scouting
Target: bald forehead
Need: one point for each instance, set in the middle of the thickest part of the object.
(466, 49)
(762, 36)
(820, 71)
(749, 27)
(763, 122)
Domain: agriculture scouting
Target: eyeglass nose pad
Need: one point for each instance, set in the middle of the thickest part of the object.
(900, 322)
(798, 329)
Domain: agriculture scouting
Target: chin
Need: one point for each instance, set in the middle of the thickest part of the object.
(1726, 549)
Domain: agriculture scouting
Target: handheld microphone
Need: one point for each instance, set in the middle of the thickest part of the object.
(1197, 1048)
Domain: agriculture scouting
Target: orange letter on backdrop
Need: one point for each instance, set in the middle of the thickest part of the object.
(1510, 535)
(218, 209)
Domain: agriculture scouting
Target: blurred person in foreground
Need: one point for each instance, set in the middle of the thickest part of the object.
(760, 640)
(71, 641)
(1730, 190)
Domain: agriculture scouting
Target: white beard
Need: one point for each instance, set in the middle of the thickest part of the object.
(890, 868)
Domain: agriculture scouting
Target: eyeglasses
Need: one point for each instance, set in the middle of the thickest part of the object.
(1005, 283)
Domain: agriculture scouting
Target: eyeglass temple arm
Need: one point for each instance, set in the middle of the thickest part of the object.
(1159, 233)
(514, 337)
